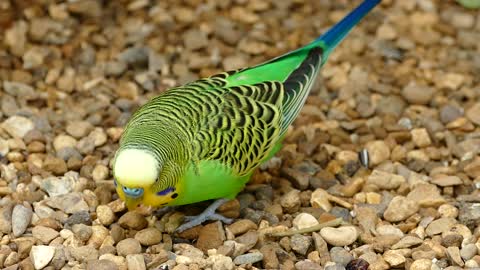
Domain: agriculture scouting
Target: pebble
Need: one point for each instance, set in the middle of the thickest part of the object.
(101, 265)
(319, 199)
(133, 220)
(399, 209)
(342, 236)
(440, 226)
(241, 226)
(128, 246)
(453, 254)
(446, 180)
(44, 234)
(307, 265)
(149, 236)
(421, 264)
(84, 253)
(17, 126)
(300, 243)
(394, 258)
(270, 259)
(41, 255)
(468, 251)
(195, 39)
(82, 231)
(56, 166)
(69, 203)
(64, 141)
(136, 262)
(78, 129)
(385, 180)
(420, 137)
(418, 94)
(21, 217)
(304, 220)
(105, 215)
(220, 262)
(291, 201)
(100, 172)
(378, 152)
(249, 258)
(211, 236)
(340, 256)
(426, 195)
(389, 230)
(473, 113)
(357, 264)
(407, 241)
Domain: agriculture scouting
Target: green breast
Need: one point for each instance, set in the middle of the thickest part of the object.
(211, 180)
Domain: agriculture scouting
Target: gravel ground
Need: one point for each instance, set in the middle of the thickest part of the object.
(404, 86)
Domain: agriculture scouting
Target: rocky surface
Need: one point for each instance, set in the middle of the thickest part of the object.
(404, 86)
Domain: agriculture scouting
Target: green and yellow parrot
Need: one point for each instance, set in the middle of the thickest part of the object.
(203, 140)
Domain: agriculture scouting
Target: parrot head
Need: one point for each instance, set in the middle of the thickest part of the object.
(136, 179)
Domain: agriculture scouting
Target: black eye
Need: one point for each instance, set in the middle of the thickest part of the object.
(165, 191)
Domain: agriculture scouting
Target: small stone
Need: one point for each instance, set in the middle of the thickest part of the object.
(241, 226)
(119, 261)
(247, 241)
(17, 126)
(307, 265)
(105, 215)
(378, 152)
(463, 19)
(69, 203)
(319, 199)
(220, 262)
(448, 210)
(453, 254)
(446, 180)
(249, 258)
(64, 141)
(149, 236)
(55, 165)
(128, 246)
(195, 39)
(321, 247)
(394, 258)
(473, 113)
(399, 209)
(357, 264)
(389, 230)
(385, 180)
(440, 226)
(426, 195)
(300, 243)
(101, 265)
(84, 253)
(98, 137)
(340, 256)
(407, 241)
(468, 251)
(420, 137)
(304, 220)
(44, 234)
(386, 31)
(100, 172)
(211, 236)
(342, 236)
(136, 262)
(421, 264)
(417, 94)
(21, 217)
(133, 220)
(82, 232)
(299, 179)
(41, 255)
(291, 201)
(270, 259)
(78, 129)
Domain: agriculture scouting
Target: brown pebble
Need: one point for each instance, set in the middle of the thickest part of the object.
(241, 226)
(211, 236)
(133, 220)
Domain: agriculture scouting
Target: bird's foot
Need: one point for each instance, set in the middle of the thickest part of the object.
(208, 214)
(162, 211)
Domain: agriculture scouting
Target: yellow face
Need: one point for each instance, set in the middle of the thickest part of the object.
(133, 197)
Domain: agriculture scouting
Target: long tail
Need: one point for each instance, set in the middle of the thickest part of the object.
(339, 31)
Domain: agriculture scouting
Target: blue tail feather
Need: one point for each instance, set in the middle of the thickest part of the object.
(338, 32)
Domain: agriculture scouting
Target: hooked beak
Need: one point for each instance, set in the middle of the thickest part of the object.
(132, 203)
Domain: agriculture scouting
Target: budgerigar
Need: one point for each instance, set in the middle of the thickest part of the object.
(203, 140)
